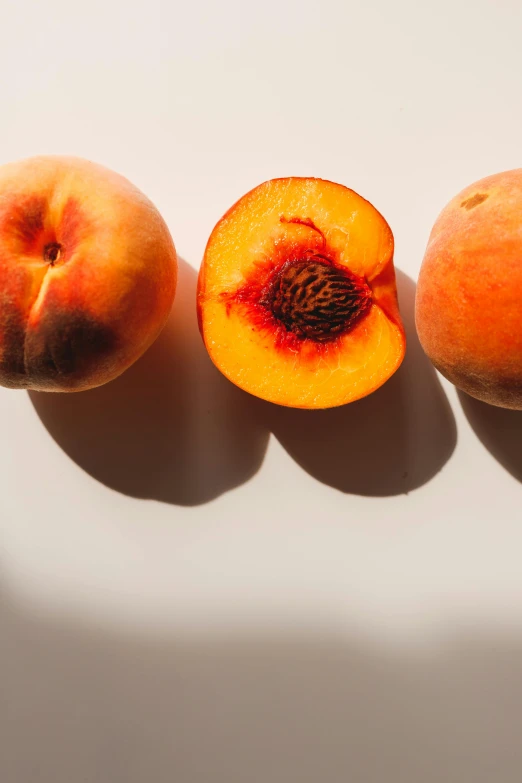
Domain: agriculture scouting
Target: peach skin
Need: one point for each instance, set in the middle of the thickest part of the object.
(87, 274)
(469, 296)
(297, 301)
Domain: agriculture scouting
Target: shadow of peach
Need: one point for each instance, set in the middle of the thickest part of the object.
(500, 431)
(171, 428)
(388, 443)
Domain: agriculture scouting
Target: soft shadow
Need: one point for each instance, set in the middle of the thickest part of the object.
(500, 431)
(81, 704)
(171, 428)
(389, 443)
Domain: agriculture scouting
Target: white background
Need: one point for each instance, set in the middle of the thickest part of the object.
(200, 587)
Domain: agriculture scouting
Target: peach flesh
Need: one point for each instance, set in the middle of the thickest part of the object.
(296, 297)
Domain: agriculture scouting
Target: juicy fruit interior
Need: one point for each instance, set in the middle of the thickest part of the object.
(297, 295)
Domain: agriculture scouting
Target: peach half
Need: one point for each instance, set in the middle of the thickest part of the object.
(87, 274)
(297, 299)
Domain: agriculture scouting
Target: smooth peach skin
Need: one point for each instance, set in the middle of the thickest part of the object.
(250, 236)
(83, 320)
(469, 294)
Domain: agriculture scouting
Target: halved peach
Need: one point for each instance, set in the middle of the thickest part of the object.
(297, 299)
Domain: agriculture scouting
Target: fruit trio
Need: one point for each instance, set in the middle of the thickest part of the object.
(297, 301)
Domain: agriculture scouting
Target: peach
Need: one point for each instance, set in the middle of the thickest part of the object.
(296, 295)
(87, 274)
(469, 295)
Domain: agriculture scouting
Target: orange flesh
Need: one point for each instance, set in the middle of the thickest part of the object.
(285, 222)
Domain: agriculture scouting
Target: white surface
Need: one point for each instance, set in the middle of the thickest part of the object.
(177, 604)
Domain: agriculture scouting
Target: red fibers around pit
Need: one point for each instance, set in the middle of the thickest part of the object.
(254, 298)
(304, 222)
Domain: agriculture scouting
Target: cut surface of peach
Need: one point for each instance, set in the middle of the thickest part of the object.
(297, 300)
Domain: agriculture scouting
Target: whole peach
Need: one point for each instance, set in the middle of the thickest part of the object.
(87, 274)
(469, 294)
